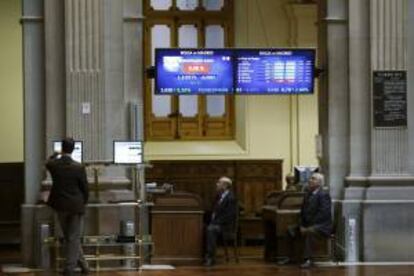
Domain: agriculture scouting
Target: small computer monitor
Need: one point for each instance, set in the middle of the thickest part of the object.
(77, 153)
(303, 173)
(128, 152)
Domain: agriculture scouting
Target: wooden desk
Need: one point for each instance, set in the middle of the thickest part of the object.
(283, 210)
(177, 229)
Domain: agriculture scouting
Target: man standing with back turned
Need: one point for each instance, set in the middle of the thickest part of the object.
(68, 196)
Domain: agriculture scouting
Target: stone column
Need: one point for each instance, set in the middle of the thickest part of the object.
(377, 204)
(84, 86)
(103, 73)
(132, 67)
(55, 73)
(134, 92)
(387, 209)
(359, 92)
(333, 104)
(34, 66)
(85, 69)
(34, 127)
(359, 126)
(388, 52)
(410, 82)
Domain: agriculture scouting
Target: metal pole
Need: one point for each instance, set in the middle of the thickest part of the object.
(143, 215)
(96, 183)
(44, 234)
(128, 230)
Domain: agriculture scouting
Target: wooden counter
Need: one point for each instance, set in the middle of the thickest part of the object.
(177, 229)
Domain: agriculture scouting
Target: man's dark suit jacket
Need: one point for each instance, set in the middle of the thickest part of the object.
(316, 212)
(69, 191)
(225, 212)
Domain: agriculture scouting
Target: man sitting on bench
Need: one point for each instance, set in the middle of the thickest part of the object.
(315, 219)
(222, 218)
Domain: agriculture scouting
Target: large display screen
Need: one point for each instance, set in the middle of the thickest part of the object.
(274, 71)
(193, 71)
(128, 152)
(77, 151)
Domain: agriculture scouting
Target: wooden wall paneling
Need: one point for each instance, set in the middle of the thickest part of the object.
(11, 198)
(245, 198)
(258, 196)
(253, 179)
(198, 177)
(257, 178)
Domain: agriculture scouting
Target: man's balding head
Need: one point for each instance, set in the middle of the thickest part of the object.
(223, 183)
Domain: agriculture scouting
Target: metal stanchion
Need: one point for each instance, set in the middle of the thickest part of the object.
(44, 256)
(141, 197)
(128, 231)
(96, 182)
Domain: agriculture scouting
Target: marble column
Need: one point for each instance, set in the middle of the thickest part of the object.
(34, 67)
(34, 126)
(83, 74)
(387, 208)
(388, 52)
(359, 126)
(55, 73)
(375, 163)
(359, 92)
(333, 105)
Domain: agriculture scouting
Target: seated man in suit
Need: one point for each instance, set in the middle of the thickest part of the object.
(223, 217)
(315, 218)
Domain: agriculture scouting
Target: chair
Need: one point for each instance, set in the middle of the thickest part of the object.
(334, 246)
(231, 236)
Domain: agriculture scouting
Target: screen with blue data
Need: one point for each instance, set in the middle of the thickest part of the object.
(193, 71)
(274, 71)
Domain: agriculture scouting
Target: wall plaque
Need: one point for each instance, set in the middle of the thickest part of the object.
(390, 98)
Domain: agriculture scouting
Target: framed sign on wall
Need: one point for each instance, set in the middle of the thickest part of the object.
(389, 98)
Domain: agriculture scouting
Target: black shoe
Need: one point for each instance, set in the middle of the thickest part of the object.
(307, 264)
(284, 261)
(209, 262)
